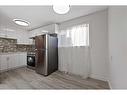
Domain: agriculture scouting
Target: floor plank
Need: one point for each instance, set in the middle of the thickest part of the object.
(24, 78)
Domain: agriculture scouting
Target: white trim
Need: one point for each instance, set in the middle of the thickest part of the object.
(109, 83)
(98, 77)
(1, 71)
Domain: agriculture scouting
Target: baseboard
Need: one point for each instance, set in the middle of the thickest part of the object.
(1, 71)
(98, 77)
(109, 84)
(64, 72)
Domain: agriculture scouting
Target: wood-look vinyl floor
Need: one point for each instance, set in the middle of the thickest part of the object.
(24, 78)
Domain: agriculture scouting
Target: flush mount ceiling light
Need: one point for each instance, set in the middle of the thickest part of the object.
(21, 22)
(63, 9)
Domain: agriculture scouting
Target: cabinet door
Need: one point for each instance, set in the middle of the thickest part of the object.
(0, 63)
(2, 34)
(16, 58)
(12, 34)
(31, 41)
(13, 61)
(4, 62)
(23, 59)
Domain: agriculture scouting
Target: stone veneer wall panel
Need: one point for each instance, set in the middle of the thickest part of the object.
(10, 45)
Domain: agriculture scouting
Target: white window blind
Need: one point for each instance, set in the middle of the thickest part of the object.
(74, 36)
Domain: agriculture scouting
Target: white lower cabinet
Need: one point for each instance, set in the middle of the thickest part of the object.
(22, 60)
(3, 62)
(12, 60)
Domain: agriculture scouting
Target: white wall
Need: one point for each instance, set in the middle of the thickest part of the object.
(118, 46)
(74, 60)
(98, 41)
(99, 46)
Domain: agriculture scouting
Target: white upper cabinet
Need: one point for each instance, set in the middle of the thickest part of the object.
(11, 34)
(6, 33)
(23, 37)
(2, 34)
(24, 40)
(53, 28)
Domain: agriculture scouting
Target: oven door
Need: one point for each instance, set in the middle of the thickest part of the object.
(31, 61)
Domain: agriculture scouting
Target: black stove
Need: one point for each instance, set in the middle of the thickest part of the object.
(31, 60)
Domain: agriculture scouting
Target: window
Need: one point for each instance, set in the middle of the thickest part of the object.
(74, 36)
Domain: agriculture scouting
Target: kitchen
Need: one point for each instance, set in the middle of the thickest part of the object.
(40, 53)
(68, 47)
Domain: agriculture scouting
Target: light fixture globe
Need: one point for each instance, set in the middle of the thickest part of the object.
(21, 22)
(63, 9)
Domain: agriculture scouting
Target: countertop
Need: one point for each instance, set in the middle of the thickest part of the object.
(2, 53)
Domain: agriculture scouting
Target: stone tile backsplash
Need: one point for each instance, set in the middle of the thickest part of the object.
(10, 45)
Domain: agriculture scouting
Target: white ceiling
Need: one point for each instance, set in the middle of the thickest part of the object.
(42, 15)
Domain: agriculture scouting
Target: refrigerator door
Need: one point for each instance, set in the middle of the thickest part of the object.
(40, 42)
(52, 54)
(41, 62)
(41, 54)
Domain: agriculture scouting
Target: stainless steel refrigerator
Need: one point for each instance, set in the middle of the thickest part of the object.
(46, 53)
